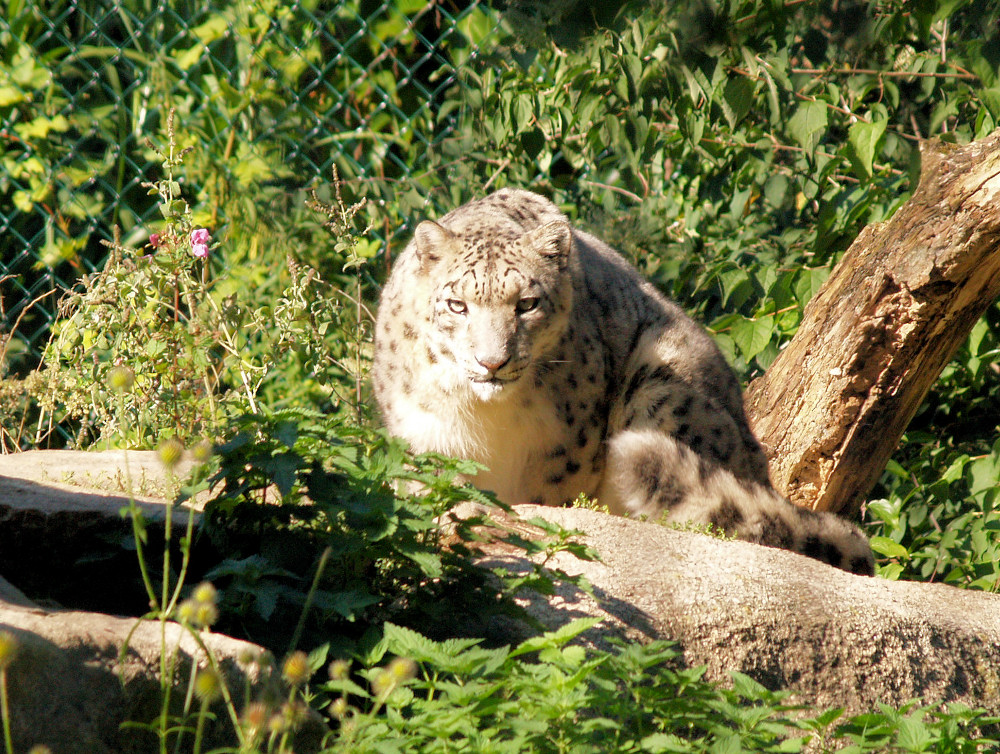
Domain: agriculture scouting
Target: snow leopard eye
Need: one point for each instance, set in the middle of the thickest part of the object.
(527, 304)
(457, 306)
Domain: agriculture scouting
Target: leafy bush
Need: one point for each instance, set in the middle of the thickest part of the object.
(271, 99)
(196, 349)
(547, 695)
(940, 513)
(733, 150)
(749, 142)
(307, 516)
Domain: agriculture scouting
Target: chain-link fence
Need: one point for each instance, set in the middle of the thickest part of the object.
(272, 95)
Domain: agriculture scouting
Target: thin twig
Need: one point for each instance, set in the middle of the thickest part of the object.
(503, 166)
(965, 75)
(618, 190)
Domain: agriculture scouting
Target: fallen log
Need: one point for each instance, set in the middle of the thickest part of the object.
(832, 407)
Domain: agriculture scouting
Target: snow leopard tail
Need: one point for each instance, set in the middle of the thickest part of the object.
(652, 474)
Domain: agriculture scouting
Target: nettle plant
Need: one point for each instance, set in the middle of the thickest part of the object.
(193, 348)
(148, 322)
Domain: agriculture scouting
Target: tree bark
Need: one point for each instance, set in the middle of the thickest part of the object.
(873, 340)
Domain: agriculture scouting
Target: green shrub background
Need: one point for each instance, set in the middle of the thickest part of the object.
(733, 150)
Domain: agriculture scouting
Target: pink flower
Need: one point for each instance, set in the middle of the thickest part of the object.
(200, 238)
(154, 239)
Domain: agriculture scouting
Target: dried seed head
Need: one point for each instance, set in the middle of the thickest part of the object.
(255, 716)
(170, 452)
(207, 685)
(121, 379)
(295, 669)
(205, 593)
(202, 451)
(338, 708)
(339, 670)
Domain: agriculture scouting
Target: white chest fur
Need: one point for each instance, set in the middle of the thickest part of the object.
(511, 436)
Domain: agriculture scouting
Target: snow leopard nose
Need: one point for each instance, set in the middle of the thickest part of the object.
(492, 363)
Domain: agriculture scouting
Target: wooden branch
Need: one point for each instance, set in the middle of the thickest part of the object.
(960, 74)
(873, 340)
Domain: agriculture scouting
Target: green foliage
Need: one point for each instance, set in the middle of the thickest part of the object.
(145, 325)
(734, 150)
(50, 186)
(195, 350)
(270, 98)
(549, 695)
(941, 526)
(316, 516)
(918, 729)
(381, 545)
(749, 142)
(939, 516)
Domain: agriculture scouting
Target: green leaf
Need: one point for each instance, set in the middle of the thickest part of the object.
(737, 99)
(632, 67)
(533, 141)
(155, 347)
(214, 28)
(347, 604)
(727, 742)
(40, 127)
(752, 335)
(913, 734)
(186, 59)
(429, 562)
(522, 111)
(888, 548)
(265, 598)
(808, 124)
(282, 470)
(11, 95)
(979, 331)
(287, 432)
(23, 202)
(945, 8)
(984, 473)
(734, 281)
(746, 686)
(885, 511)
(659, 742)
(809, 281)
(954, 472)
(555, 638)
(863, 143)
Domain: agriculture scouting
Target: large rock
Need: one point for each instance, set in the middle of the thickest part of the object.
(791, 622)
(71, 685)
(834, 639)
(78, 675)
(62, 537)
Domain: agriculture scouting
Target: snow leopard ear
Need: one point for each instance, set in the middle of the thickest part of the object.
(554, 239)
(433, 241)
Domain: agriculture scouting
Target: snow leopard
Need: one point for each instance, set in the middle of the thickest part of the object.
(506, 336)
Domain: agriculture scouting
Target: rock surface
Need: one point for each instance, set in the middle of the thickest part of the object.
(832, 638)
(790, 622)
(71, 685)
(62, 537)
(60, 481)
(70, 690)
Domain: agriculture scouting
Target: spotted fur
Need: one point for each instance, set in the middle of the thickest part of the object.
(508, 337)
